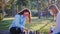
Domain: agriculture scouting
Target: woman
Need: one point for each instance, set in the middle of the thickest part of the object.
(18, 24)
(55, 11)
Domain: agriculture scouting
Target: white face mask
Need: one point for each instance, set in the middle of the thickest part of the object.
(51, 13)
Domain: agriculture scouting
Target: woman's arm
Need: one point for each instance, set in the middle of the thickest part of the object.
(15, 22)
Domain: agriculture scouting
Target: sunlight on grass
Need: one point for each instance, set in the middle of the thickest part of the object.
(13, 18)
(8, 18)
(36, 24)
(36, 27)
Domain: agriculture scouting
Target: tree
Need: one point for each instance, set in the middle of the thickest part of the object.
(38, 8)
(58, 3)
(21, 3)
(1, 9)
(13, 8)
(10, 7)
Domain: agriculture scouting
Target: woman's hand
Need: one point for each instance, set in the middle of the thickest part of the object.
(26, 29)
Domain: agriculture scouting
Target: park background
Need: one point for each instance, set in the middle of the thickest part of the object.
(41, 18)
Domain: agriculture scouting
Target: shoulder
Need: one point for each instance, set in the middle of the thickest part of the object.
(17, 15)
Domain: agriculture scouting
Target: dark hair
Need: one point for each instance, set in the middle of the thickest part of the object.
(51, 7)
(54, 7)
(22, 12)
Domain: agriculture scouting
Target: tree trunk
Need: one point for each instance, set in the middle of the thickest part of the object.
(49, 2)
(3, 8)
(58, 4)
(19, 7)
(38, 9)
(13, 9)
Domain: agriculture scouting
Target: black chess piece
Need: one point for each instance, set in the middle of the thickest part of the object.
(37, 32)
(31, 32)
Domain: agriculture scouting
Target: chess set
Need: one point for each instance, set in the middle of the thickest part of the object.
(32, 32)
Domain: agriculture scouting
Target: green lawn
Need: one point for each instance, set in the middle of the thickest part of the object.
(36, 24)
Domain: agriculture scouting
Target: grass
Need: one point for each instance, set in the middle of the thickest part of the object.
(35, 25)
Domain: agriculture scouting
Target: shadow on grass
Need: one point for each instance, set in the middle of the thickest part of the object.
(4, 25)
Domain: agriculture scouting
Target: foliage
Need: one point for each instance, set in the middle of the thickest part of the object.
(43, 4)
(21, 2)
(1, 17)
(34, 14)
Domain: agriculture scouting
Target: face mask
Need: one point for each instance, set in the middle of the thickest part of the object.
(51, 13)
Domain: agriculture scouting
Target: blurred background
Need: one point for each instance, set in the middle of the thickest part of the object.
(41, 18)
